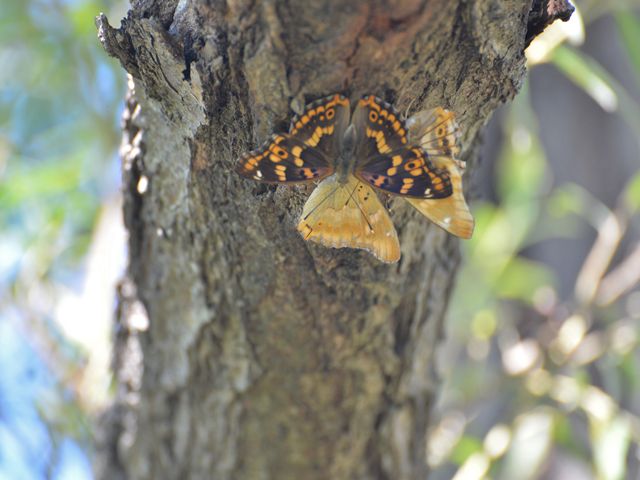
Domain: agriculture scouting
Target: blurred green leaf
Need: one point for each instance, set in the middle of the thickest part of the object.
(632, 193)
(629, 29)
(466, 447)
(562, 432)
(26, 182)
(82, 15)
(530, 445)
(522, 163)
(566, 200)
(484, 324)
(598, 84)
(585, 73)
(521, 278)
(630, 370)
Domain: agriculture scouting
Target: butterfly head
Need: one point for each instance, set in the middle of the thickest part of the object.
(349, 140)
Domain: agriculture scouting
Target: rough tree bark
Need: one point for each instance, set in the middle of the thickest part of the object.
(242, 351)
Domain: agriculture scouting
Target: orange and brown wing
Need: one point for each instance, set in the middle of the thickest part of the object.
(308, 152)
(451, 213)
(378, 127)
(407, 172)
(322, 125)
(436, 131)
(350, 215)
(386, 160)
(284, 160)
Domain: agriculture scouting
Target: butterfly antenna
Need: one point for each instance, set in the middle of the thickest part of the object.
(351, 195)
(306, 237)
(434, 125)
(321, 202)
(406, 112)
(364, 215)
(433, 140)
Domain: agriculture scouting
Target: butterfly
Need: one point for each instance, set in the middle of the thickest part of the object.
(356, 154)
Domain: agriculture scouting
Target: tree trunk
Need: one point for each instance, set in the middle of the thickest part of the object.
(242, 351)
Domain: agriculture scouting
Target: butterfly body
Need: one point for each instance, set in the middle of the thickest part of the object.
(355, 154)
(346, 159)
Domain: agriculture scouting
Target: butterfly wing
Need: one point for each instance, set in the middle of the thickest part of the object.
(307, 152)
(322, 125)
(349, 215)
(437, 132)
(386, 160)
(378, 127)
(451, 213)
(407, 172)
(284, 159)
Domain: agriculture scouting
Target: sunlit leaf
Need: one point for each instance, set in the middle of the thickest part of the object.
(586, 74)
(530, 445)
(610, 445)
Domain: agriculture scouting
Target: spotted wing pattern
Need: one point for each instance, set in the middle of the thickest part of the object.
(451, 213)
(387, 161)
(437, 132)
(349, 215)
(307, 152)
(322, 124)
(284, 159)
(407, 172)
(378, 128)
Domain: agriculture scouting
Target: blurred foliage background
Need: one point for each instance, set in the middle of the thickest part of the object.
(60, 102)
(541, 363)
(541, 360)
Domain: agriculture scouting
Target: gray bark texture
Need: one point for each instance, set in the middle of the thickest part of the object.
(242, 351)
